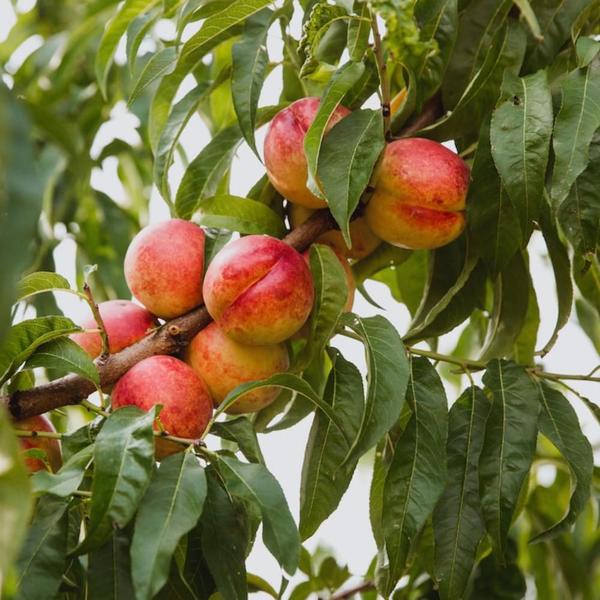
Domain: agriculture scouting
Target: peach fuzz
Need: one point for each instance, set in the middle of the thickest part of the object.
(164, 266)
(284, 150)
(419, 198)
(50, 446)
(363, 240)
(125, 323)
(259, 290)
(224, 364)
(186, 401)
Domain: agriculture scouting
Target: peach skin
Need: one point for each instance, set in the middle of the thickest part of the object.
(50, 446)
(259, 290)
(284, 150)
(224, 364)
(419, 198)
(125, 323)
(164, 266)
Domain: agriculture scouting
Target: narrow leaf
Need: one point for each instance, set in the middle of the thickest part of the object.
(109, 574)
(159, 64)
(529, 15)
(241, 431)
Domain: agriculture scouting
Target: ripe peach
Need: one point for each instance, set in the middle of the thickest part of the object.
(259, 290)
(284, 150)
(125, 322)
(164, 266)
(419, 198)
(350, 281)
(364, 241)
(224, 364)
(50, 446)
(186, 401)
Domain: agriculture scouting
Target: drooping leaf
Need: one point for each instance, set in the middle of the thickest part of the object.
(520, 136)
(343, 79)
(346, 160)
(387, 367)
(509, 446)
(524, 347)
(136, 32)
(528, 13)
(109, 575)
(241, 431)
(457, 521)
(254, 484)
(41, 281)
(170, 508)
(24, 338)
(417, 475)
(574, 128)
(44, 554)
(325, 476)
(359, 31)
(559, 423)
(159, 65)
(123, 461)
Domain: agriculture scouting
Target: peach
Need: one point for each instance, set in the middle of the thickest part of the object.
(419, 198)
(224, 364)
(259, 290)
(350, 281)
(49, 445)
(164, 266)
(186, 401)
(125, 323)
(284, 150)
(363, 240)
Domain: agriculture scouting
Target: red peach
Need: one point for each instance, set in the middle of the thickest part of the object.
(419, 198)
(186, 401)
(164, 266)
(259, 290)
(125, 323)
(363, 240)
(284, 150)
(49, 445)
(224, 364)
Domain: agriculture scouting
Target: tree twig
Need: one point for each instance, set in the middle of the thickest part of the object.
(365, 586)
(89, 297)
(383, 77)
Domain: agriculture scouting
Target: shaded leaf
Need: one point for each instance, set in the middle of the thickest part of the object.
(241, 431)
(109, 575)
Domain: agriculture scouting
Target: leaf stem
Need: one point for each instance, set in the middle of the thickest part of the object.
(383, 77)
(52, 435)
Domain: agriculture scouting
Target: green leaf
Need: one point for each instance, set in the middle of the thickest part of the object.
(159, 65)
(387, 367)
(574, 128)
(24, 338)
(203, 174)
(239, 214)
(15, 495)
(123, 462)
(170, 508)
(492, 221)
(342, 80)
(113, 33)
(457, 521)
(529, 15)
(559, 423)
(325, 476)
(510, 311)
(346, 160)
(524, 348)
(241, 431)
(561, 265)
(331, 294)
(417, 475)
(359, 31)
(68, 479)
(42, 281)
(520, 134)
(136, 32)
(109, 574)
(249, 62)
(65, 356)
(509, 446)
(44, 554)
(253, 483)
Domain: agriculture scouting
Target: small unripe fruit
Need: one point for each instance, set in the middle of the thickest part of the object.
(186, 401)
(50, 446)
(224, 364)
(420, 192)
(364, 241)
(164, 266)
(125, 323)
(259, 290)
(284, 150)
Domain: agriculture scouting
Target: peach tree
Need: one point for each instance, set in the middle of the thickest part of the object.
(422, 147)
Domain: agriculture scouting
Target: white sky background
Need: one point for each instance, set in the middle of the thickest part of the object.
(347, 532)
